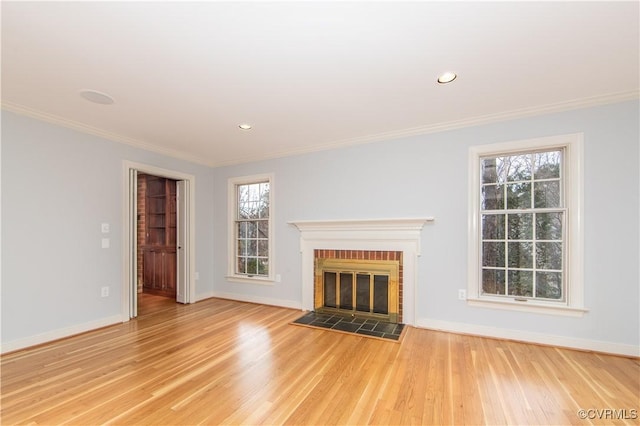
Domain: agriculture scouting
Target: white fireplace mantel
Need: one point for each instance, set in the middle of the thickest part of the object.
(401, 234)
(362, 224)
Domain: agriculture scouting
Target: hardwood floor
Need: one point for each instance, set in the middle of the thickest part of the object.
(225, 362)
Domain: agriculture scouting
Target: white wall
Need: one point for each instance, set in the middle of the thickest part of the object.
(427, 176)
(58, 186)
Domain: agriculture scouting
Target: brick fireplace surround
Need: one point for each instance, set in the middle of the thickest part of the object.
(367, 237)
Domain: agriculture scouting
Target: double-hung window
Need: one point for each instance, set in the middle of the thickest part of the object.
(251, 242)
(525, 237)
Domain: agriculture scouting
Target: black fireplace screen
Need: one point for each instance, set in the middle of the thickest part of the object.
(360, 291)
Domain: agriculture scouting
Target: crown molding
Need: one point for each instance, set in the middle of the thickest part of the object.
(95, 131)
(451, 125)
(396, 134)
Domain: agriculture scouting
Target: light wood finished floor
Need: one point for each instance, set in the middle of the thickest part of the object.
(225, 362)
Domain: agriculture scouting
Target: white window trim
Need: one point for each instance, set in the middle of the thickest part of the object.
(574, 178)
(231, 217)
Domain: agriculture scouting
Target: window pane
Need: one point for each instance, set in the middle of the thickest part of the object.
(263, 266)
(549, 285)
(254, 192)
(549, 226)
(243, 211)
(493, 281)
(242, 229)
(489, 171)
(520, 226)
(253, 201)
(247, 210)
(243, 194)
(520, 283)
(242, 248)
(264, 200)
(492, 197)
(493, 254)
(252, 229)
(252, 248)
(252, 266)
(547, 165)
(242, 265)
(518, 167)
(493, 226)
(547, 194)
(519, 195)
(263, 248)
(264, 188)
(263, 229)
(521, 255)
(549, 255)
(262, 210)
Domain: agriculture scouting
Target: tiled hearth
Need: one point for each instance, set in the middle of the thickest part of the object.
(344, 323)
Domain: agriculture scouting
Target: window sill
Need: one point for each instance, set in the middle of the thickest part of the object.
(533, 307)
(250, 280)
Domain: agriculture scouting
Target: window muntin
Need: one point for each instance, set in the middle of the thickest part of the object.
(522, 225)
(251, 228)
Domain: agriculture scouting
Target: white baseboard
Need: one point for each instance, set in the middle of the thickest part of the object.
(203, 296)
(530, 337)
(292, 304)
(60, 333)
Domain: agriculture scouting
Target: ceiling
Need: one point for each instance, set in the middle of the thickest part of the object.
(308, 75)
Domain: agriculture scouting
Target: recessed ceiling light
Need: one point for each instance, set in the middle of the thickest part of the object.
(446, 77)
(245, 126)
(96, 97)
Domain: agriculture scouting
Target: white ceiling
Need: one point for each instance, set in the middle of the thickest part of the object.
(308, 75)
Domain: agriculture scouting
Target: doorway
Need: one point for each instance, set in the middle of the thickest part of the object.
(157, 236)
(170, 245)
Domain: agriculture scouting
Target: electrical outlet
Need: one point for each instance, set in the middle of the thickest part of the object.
(104, 292)
(462, 294)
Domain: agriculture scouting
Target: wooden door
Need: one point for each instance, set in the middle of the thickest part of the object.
(159, 249)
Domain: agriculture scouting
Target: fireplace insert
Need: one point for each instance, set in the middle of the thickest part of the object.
(357, 287)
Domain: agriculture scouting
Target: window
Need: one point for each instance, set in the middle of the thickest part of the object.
(525, 237)
(522, 225)
(250, 246)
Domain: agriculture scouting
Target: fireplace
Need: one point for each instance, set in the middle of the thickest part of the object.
(360, 283)
(395, 239)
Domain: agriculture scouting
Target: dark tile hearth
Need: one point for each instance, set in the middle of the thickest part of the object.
(345, 323)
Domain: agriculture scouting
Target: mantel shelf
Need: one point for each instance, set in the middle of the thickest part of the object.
(395, 224)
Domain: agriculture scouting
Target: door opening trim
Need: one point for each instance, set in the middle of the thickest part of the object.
(129, 277)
